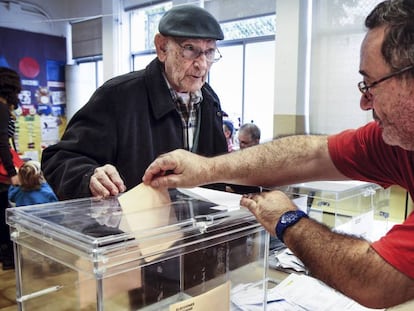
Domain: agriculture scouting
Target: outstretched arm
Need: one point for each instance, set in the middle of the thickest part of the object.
(346, 263)
(282, 161)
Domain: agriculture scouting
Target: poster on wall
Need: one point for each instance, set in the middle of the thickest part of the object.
(40, 61)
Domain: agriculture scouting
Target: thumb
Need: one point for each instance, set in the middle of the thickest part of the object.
(249, 203)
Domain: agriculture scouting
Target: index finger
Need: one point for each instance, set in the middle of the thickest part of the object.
(160, 167)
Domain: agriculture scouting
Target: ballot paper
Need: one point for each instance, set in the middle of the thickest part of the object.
(143, 197)
(145, 208)
(250, 297)
(312, 294)
(285, 259)
(297, 292)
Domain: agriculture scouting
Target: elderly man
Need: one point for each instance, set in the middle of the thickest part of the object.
(248, 135)
(379, 274)
(133, 118)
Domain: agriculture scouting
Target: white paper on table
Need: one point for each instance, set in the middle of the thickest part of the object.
(286, 259)
(250, 297)
(314, 295)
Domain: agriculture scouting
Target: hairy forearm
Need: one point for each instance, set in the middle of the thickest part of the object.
(348, 264)
(283, 161)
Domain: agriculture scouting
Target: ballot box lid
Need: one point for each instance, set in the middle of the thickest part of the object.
(333, 190)
(99, 228)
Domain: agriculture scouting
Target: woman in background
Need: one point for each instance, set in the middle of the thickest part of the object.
(10, 87)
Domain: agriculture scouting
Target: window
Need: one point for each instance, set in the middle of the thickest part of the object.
(249, 28)
(337, 33)
(91, 77)
(244, 81)
(144, 26)
(226, 78)
(84, 78)
(244, 78)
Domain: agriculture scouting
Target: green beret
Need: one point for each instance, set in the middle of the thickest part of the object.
(190, 21)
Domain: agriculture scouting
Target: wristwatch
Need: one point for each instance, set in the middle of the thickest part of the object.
(288, 219)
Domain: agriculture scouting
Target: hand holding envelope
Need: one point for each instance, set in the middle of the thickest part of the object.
(143, 197)
(141, 211)
(146, 214)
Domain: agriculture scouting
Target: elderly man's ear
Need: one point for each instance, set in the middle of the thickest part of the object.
(161, 43)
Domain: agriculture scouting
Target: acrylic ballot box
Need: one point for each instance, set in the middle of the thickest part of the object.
(349, 206)
(87, 254)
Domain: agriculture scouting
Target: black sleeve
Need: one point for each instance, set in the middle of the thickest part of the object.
(89, 141)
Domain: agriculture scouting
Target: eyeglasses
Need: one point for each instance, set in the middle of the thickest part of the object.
(364, 88)
(191, 52)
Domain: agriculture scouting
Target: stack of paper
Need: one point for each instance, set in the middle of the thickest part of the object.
(250, 297)
(312, 294)
(287, 260)
(295, 293)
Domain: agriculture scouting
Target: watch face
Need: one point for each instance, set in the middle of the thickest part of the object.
(288, 217)
(286, 220)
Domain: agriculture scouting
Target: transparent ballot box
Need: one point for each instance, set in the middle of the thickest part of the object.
(88, 254)
(349, 206)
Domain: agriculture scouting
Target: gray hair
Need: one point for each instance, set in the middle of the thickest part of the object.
(252, 129)
(398, 18)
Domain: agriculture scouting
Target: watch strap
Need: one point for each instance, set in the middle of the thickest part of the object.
(287, 220)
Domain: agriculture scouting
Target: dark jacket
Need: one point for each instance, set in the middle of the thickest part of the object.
(128, 122)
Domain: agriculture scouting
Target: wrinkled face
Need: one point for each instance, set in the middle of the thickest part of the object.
(245, 140)
(392, 101)
(184, 75)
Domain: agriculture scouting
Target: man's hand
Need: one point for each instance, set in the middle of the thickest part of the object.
(267, 207)
(179, 168)
(106, 182)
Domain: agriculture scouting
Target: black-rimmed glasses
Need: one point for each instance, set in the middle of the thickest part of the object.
(191, 52)
(364, 88)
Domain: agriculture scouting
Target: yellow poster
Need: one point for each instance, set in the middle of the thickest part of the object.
(35, 132)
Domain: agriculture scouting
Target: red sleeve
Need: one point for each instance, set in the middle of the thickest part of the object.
(397, 247)
(362, 154)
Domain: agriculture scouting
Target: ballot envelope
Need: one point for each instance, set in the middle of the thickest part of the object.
(89, 254)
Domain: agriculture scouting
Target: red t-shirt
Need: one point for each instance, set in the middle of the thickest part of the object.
(363, 155)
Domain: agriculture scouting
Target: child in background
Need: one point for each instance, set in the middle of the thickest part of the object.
(33, 188)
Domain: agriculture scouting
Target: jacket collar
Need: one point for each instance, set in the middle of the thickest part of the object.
(161, 100)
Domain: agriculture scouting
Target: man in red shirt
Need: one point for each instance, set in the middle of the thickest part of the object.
(377, 275)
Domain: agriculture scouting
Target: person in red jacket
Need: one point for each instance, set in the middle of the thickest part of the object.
(378, 274)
